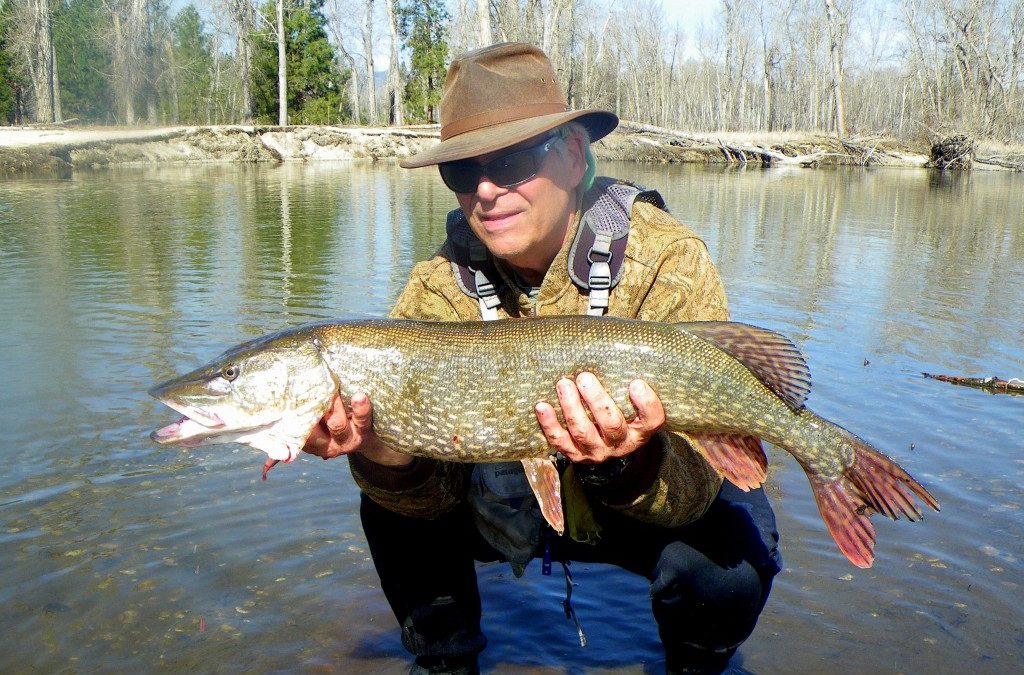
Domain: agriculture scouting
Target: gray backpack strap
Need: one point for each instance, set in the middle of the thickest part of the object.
(473, 266)
(598, 250)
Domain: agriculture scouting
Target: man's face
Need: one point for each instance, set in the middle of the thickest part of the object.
(526, 224)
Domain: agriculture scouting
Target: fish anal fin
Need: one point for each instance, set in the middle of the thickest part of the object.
(770, 356)
(738, 458)
(542, 475)
(846, 516)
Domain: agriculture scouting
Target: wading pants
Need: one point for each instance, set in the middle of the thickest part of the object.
(709, 579)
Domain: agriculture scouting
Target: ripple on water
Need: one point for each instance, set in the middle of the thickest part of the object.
(119, 552)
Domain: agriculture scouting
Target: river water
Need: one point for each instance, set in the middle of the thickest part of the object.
(120, 555)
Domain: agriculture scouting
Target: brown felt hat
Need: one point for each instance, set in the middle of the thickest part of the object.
(498, 96)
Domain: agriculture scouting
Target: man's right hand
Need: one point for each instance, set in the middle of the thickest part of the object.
(341, 433)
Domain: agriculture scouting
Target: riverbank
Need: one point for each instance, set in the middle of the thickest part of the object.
(62, 149)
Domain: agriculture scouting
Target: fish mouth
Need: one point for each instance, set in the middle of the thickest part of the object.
(186, 432)
(196, 426)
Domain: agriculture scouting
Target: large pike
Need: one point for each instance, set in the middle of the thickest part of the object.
(466, 392)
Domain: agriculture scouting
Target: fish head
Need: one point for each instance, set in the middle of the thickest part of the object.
(267, 393)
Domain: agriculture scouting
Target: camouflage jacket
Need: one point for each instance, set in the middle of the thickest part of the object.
(667, 276)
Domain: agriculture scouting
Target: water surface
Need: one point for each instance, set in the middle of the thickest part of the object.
(120, 555)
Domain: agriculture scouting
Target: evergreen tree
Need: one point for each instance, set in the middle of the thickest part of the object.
(9, 81)
(315, 80)
(424, 28)
(192, 63)
(82, 58)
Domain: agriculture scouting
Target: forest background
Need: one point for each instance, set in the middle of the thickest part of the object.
(903, 68)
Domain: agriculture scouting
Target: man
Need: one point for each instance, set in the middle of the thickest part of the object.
(536, 234)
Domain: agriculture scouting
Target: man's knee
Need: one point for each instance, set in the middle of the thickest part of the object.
(699, 602)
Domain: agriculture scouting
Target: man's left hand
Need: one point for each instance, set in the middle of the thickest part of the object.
(604, 433)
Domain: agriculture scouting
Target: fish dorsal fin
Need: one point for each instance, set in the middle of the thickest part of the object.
(772, 357)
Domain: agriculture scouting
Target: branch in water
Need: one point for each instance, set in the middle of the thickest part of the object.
(993, 384)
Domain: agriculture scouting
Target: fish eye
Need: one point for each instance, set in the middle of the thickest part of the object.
(229, 372)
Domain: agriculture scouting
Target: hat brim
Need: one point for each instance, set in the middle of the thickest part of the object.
(478, 142)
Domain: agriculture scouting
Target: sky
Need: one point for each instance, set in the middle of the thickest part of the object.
(689, 13)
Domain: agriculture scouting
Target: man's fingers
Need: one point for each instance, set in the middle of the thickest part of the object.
(558, 438)
(650, 413)
(577, 421)
(336, 418)
(362, 412)
(607, 417)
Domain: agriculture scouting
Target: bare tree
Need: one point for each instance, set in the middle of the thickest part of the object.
(374, 117)
(483, 13)
(243, 19)
(396, 87)
(282, 70)
(129, 44)
(32, 37)
(339, 29)
(837, 38)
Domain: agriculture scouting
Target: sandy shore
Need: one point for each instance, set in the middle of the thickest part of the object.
(22, 137)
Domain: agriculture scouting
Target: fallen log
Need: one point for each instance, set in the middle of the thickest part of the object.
(1000, 162)
(993, 384)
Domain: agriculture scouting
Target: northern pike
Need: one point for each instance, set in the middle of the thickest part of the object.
(466, 391)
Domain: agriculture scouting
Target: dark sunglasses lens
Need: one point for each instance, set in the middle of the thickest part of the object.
(511, 169)
(461, 177)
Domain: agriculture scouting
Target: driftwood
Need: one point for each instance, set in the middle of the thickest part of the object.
(954, 152)
(738, 153)
(993, 384)
(1001, 162)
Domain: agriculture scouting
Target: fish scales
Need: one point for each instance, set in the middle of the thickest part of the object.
(477, 383)
(466, 392)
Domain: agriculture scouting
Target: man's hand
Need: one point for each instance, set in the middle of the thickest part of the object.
(605, 433)
(342, 433)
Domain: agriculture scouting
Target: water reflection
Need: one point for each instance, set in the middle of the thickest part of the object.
(119, 555)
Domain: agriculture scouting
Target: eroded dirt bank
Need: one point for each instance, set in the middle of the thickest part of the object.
(62, 149)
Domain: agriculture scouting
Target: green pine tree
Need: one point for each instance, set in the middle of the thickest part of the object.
(423, 27)
(82, 58)
(10, 82)
(316, 82)
(192, 60)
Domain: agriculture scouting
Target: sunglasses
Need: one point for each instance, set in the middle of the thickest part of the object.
(505, 171)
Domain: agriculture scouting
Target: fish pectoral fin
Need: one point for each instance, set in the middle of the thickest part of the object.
(542, 475)
(738, 458)
(279, 442)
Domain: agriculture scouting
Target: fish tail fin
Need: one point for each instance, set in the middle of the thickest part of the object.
(846, 517)
(874, 483)
(884, 485)
(542, 475)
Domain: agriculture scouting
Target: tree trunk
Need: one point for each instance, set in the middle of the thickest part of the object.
(336, 27)
(242, 18)
(370, 77)
(58, 114)
(172, 73)
(395, 84)
(41, 62)
(483, 12)
(147, 56)
(837, 35)
(282, 71)
(129, 19)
